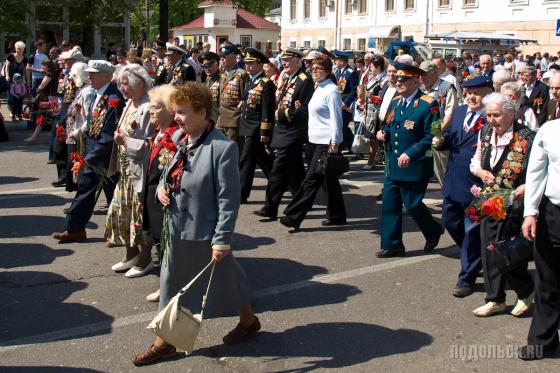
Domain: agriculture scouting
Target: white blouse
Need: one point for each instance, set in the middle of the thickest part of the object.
(498, 147)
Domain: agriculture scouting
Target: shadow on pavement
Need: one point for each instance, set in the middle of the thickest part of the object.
(28, 254)
(326, 345)
(32, 310)
(13, 201)
(243, 242)
(16, 180)
(44, 369)
(18, 226)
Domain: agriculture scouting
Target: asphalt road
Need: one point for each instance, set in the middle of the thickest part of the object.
(324, 300)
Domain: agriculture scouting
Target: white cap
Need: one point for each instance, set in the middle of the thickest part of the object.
(547, 75)
(312, 55)
(73, 54)
(173, 48)
(100, 66)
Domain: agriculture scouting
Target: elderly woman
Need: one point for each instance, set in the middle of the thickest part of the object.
(271, 70)
(200, 188)
(15, 63)
(524, 113)
(162, 147)
(124, 219)
(325, 135)
(502, 144)
(499, 78)
(375, 81)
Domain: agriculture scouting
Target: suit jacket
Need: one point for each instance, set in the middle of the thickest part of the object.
(100, 143)
(291, 125)
(539, 93)
(232, 87)
(551, 108)
(347, 80)
(410, 133)
(458, 178)
(257, 107)
(206, 207)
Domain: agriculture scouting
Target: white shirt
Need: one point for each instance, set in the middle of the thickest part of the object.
(543, 171)
(99, 93)
(498, 147)
(325, 114)
(529, 89)
(477, 114)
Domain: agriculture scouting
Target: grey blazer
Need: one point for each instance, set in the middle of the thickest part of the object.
(206, 207)
(136, 146)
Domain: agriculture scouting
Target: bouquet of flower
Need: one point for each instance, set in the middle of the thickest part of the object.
(490, 202)
(436, 124)
(78, 163)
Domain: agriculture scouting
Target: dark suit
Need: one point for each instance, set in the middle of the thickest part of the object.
(257, 119)
(551, 110)
(347, 80)
(289, 133)
(98, 153)
(539, 93)
(457, 183)
(408, 131)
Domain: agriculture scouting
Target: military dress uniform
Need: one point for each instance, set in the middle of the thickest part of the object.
(408, 131)
(347, 80)
(180, 72)
(212, 82)
(257, 119)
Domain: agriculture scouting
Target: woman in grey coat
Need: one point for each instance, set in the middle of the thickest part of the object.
(201, 190)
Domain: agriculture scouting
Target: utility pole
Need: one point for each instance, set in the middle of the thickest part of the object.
(148, 45)
(163, 20)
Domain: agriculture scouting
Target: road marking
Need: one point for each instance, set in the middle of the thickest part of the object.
(71, 333)
(21, 191)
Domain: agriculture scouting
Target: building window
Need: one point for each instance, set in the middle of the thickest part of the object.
(409, 4)
(348, 6)
(470, 3)
(246, 41)
(362, 6)
(389, 5)
(293, 10)
(307, 44)
(306, 9)
(347, 44)
(362, 44)
(443, 3)
(321, 43)
(322, 8)
(292, 44)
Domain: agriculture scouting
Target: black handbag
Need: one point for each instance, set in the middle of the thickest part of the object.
(512, 253)
(332, 165)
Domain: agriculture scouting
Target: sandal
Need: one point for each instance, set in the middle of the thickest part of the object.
(154, 354)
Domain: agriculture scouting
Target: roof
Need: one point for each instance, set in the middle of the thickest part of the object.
(245, 19)
(478, 36)
(212, 2)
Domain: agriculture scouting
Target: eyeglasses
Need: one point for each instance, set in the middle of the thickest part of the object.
(316, 68)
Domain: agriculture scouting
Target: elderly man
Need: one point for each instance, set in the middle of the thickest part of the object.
(460, 139)
(368, 59)
(536, 92)
(178, 72)
(553, 109)
(407, 138)
(446, 75)
(210, 62)
(446, 96)
(500, 77)
(486, 65)
(102, 117)
(347, 81)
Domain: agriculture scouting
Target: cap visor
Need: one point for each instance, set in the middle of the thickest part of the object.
(92, 70)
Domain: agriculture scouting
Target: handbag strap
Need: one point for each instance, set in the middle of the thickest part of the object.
(184, 290)
(207, 290)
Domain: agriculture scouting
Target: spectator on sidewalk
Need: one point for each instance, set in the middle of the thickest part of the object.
(15, 64)
(17, 93)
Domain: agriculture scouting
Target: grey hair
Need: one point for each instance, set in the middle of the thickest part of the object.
(489, 57)
(369, 55)
(79, 74)
(136, 74)
(502, 76)
(515, 89)
(528, 69)
(504, 101)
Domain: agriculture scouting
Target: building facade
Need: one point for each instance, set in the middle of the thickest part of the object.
(373, 24)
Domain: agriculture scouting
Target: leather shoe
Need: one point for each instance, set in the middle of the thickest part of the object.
(461, 292)
(390, 253)
(154, 353)
(329, 222)
(153, 297)
(139, 272)
(59, 183)
(242, 333)
(287, 222)
(522, 306)
(536, 352)
(66, 236)
(263, 213)
(432, 243)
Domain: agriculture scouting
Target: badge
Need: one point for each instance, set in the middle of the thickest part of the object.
(409, 125)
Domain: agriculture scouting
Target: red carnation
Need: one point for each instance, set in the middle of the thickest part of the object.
(115, 102)
(434, 109)
(169, 145)
(40, 119)
(73, 156)
(376, 99)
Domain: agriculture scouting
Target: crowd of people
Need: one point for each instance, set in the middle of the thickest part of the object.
(173, 138)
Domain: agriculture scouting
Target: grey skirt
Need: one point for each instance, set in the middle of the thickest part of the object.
(229, 291)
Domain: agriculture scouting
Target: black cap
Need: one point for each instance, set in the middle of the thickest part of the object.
(252, 54)
(479, 81)
(227, 48)
(325, 51)
(208, 57)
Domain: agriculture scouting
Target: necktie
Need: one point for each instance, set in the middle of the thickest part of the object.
(404, 105)
(467, 125)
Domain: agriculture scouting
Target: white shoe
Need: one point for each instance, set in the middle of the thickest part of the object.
(489, 309)
(123, 266)
(153, 297)
(138, 272)
(522, 306)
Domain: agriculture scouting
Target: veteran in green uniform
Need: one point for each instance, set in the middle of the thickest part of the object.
(407, 139)
(210, 62)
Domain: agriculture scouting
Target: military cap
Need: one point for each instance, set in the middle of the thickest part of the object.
(427, 66)
(208, 57)
(312, 55)
(73, 54)
(172, 48)
(251, 54)
(479, 81)
(100, 66)
(324, 51)
(341, 55)
(406, 71)
(228, 48)
(291, 52)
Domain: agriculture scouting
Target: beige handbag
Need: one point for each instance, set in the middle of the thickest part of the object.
(177, 325)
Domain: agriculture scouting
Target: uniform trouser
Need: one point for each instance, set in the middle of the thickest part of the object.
(410, 194)
(546, 316)
(453, 218)
(305, 196)
(233, 134)
(71, 186)
(82, 207)
(440, 164)
(253, 154)
(287, 169)
(347, 135)
(495, 281)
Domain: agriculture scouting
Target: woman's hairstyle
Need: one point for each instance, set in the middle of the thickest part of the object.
(359, 59)
(146, 53)
(196, 95)
(136, 74)
(51, 67)
(508, 57)
(379, 62)
(502, 76)
(162, 94)
(504, 101)
(19, 45)
(361, 92)
(79, 74)
(325, 63)
(515, 89)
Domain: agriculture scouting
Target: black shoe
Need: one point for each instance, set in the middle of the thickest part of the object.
(51, 161)
(390, 253)
(379, 197)
(536, 352)
(461, 292)
(66, 210)
(358, 157)
(244, 201)
(287, 222)
(329, 222)
(432, 243)
(59, 183)
(263, 213)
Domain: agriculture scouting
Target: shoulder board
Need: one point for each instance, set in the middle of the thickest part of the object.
(265, 79)
(350, 70)
(396, 98)
(302, 76)
(428, 99)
